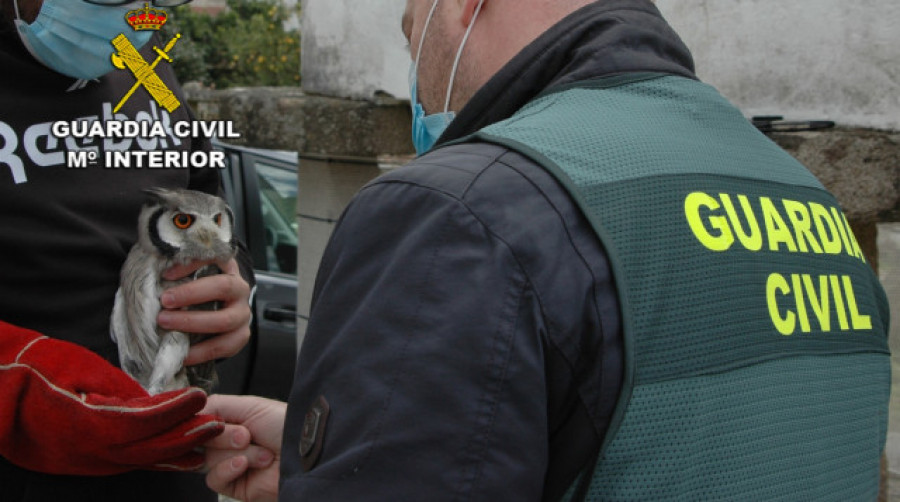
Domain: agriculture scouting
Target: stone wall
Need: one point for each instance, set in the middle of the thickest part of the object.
(861, 167)
(287, 118)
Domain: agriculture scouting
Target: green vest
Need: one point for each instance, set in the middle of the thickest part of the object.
(757, 365)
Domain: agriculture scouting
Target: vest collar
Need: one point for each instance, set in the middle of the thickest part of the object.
(602, 39)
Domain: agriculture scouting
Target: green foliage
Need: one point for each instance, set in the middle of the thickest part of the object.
(244, 46)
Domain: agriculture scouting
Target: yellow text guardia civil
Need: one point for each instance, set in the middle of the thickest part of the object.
(786, 226)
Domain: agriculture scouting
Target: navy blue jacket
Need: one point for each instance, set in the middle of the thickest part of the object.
(465, 328)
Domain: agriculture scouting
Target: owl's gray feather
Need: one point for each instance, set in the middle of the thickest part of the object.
(153, 356)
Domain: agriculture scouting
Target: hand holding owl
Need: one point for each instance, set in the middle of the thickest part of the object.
(230, 324)
(159, 314)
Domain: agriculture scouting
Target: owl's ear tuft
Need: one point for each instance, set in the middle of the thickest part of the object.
(158, 194)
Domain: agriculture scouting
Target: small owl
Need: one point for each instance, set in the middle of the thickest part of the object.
(175, 227)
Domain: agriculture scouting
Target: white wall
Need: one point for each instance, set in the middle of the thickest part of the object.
(805, 59)
(354, 48)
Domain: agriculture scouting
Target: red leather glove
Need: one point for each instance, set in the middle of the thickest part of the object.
(66, 410)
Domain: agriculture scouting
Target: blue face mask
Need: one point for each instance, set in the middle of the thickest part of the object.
(426, 129)
(74, 37)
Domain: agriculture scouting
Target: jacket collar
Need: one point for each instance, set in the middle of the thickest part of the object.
(605, 38)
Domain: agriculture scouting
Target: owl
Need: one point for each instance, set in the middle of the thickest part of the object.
(175, 227)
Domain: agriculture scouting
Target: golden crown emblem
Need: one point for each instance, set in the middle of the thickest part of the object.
(147, 18)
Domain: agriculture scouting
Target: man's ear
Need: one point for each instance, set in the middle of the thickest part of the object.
(469, 7)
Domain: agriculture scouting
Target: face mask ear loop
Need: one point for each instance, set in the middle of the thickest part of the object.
(459, 55)
(16, 8)
(424, 31)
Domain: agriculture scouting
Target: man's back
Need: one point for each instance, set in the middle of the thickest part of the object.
(749, 312)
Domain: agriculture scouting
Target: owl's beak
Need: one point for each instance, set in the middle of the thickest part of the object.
(206, 237)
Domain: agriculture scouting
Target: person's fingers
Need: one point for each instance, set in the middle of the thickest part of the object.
(231, 318)
(223, 477)
(230, 267)
(233, 437)
(218, 347)
(176, 272)
(220, 287)
(230, 324)
(264, 418)
(257, 456)
(232, 409)
(234, 478)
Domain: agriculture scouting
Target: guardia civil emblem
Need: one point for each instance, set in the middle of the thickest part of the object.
(128, 57)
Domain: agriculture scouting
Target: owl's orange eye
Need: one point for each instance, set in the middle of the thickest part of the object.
(183, 221)
(218, 219)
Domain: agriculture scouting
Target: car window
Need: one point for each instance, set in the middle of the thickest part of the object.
(278, 201)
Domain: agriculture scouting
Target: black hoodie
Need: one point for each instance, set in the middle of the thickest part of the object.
(64, 234)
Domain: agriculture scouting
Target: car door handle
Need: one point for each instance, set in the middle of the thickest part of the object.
(280, 314)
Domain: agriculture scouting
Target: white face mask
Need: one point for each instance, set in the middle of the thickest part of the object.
(426, 129)
(74, 37)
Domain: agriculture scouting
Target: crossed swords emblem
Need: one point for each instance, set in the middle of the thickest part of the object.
(128, 57)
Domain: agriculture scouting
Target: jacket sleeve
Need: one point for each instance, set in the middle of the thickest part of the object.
(425, 340)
